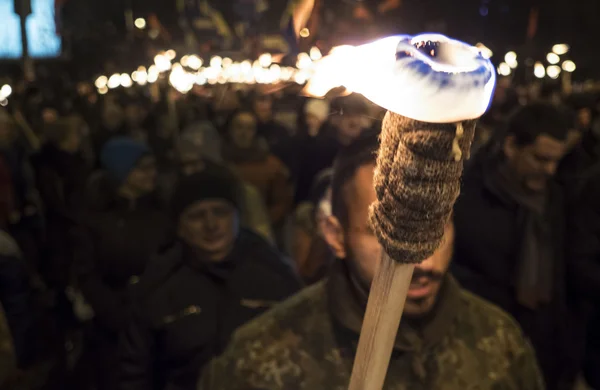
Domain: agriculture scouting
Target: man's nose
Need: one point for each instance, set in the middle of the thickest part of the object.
(426, 265)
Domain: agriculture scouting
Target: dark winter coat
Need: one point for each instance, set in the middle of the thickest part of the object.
(112, 250)
(186, 309)
(485, 262)
(60, 178)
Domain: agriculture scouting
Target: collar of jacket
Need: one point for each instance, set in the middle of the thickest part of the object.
(348, 301)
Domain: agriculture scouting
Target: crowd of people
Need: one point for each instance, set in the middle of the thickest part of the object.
(143, 238)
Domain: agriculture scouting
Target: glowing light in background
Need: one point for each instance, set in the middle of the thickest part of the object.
(162, 62)
(265, 60)
(103, 90)
(216, 62)
(304, 61)
(509, 57)
(153, 74)
(114, 81)
(484, 50)
(43, 41)
(504, 69)
(5, 91)
(553, 71)
(552, 58)
(227, 62)
(539, 71)
(101, 82)
(305, 33)
(142, 76)
(125, 80)
(171, 54)
(560, 49)
(569, 66)
(194, 62)
(140, 23)
(315, 53)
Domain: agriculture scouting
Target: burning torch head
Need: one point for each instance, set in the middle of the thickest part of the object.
(428, 77)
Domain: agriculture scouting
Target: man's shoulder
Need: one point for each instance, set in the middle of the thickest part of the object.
(297, 315)
(277, 349)
(480, 320)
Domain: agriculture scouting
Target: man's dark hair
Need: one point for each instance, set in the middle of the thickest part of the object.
(351, 104)
(360, 152)
(535, 119)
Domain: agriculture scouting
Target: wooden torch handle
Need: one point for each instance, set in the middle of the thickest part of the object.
(380, 324)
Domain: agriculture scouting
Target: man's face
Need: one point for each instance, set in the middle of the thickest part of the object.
(243, 130)
(190, 163)
(263, 108)
(350, 126)
(112, 116)
(210, 226)
(142, 179)
(357, 243)
(534, 164)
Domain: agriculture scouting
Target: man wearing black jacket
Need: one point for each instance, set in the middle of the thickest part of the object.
(510, 237)
(196, 293)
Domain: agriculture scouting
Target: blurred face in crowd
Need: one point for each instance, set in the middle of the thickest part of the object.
(350, 126)
(134, 115)
(243, 130)
(357, 244)
(72, 141)
(190, 163)
(313, 123)
(112, 116)
(210, 227)
(263, 108)
(534, 164)
(142, 179)
(584, 118)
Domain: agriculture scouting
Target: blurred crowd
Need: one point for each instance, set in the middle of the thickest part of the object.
(139, 231)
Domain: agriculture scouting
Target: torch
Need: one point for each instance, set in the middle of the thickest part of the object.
(434, 89)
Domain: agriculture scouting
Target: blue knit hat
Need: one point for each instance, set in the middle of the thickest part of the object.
(120, 155)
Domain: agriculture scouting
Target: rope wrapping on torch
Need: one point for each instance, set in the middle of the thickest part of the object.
(417, 181)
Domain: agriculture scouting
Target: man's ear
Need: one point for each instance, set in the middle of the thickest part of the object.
(510, 146)
(334, 236)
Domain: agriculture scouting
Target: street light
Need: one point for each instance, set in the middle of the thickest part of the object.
(560, 49)
(553, 71)
(538, 70)
(140, 23)
(569, 66)
(553, 58)
(504, 69)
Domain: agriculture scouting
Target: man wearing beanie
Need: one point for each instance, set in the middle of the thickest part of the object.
(214, 278)
(124, 224)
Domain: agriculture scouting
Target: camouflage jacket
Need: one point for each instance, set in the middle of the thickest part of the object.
(301, 345)
(7, 355)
